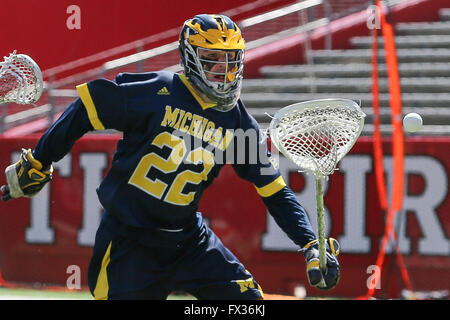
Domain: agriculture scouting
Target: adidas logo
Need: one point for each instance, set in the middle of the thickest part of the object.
(163, 91)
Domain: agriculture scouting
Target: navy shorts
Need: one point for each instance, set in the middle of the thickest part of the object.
(125, 265)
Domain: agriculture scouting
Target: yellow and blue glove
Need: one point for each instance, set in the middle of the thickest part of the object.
(316, 277)
(26, 177)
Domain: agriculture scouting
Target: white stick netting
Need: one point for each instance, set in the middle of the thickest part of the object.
(20, 79)
(315, 135)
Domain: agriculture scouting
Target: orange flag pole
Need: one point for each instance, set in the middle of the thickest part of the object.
(398, 151)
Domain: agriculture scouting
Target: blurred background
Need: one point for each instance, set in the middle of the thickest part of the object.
(295, 51)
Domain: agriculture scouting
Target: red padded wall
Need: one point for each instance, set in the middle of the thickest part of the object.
(39, 28)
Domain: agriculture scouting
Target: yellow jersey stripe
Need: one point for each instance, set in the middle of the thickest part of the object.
(102, 287)
(204, 104)
(85, 96)
(272, 187)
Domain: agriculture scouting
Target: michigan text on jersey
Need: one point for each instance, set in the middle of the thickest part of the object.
(197, 126)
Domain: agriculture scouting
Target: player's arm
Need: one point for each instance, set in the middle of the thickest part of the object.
(280, 201)
(293, 220)
(100, 106)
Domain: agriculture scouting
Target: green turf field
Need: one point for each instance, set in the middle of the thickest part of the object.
(60, 294)
(32, 294)
(37, 294)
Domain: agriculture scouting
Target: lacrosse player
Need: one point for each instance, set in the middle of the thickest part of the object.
(151, 240)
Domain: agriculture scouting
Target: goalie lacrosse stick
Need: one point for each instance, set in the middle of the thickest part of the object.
(315, 135)
(20, 79)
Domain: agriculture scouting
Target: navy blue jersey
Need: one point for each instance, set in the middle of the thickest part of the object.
(174, 145)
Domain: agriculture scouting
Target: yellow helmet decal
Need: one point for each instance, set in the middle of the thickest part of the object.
(231, 74)
(220, 38)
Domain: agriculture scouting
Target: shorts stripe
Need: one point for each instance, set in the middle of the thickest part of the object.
(102, 286)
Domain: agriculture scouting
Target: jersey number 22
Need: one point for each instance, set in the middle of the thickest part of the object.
(156, 187)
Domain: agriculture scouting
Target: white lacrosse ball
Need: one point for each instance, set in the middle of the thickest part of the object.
(412, 122)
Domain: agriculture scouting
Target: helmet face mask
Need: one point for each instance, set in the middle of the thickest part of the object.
(213, 59)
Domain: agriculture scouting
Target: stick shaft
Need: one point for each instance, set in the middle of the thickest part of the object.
(320, 223)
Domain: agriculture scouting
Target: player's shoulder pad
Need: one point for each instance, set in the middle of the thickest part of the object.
(103, 87)
(144, 85)
(246, 120)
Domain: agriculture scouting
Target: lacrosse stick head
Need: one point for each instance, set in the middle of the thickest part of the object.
(20, 79)
(316, 134)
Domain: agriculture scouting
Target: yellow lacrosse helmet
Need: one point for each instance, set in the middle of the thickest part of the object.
(212, 54)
